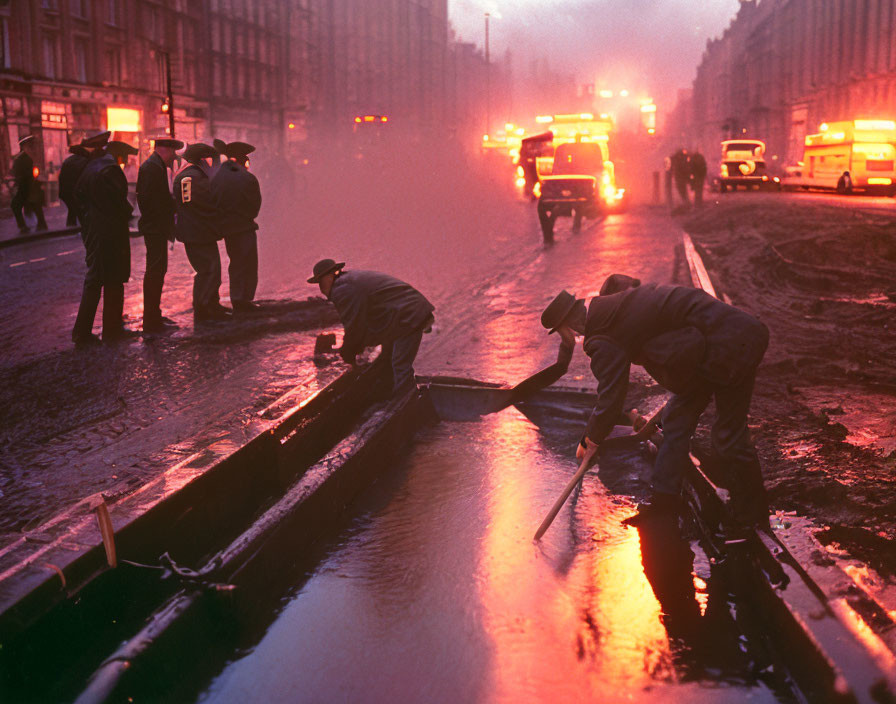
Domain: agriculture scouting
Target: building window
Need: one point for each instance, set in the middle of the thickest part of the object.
(81, 60)
(52, 5)
(50, 57)
(4, 43)
(113, 12)
(79, 8)
(153, 25)
(112, 61)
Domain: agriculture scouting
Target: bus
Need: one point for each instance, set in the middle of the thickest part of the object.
(852, 155)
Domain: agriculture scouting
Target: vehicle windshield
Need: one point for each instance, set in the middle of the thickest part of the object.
(578, 159)
(743, 147)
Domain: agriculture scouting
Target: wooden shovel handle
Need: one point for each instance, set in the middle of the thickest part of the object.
(642, 434)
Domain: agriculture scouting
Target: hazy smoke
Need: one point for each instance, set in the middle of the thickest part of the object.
(652, 45)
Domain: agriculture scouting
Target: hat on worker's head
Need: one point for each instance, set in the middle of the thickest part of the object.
(121, 150)
(27, 139)
(79, 150)
(557, 310)
(97, 140)
(324, 267)
(198, 151)
(238, 150)
(618, 282)
(219, 144)
(174, 144)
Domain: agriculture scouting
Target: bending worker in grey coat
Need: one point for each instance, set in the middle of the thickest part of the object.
(377, 309)
(695, 346)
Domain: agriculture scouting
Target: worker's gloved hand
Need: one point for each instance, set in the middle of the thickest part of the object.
(586, 448)
(348, 358)
(567, 336)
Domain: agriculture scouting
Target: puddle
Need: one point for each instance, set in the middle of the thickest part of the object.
(436, 591)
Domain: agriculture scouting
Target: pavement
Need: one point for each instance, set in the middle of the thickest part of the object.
(56, 226)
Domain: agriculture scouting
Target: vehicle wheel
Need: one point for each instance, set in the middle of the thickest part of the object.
(844, 185)
(577, 221)
(723, 188)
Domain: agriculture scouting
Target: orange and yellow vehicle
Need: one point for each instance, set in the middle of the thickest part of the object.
(851, 155)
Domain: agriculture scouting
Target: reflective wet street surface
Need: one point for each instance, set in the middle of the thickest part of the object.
(436, 592)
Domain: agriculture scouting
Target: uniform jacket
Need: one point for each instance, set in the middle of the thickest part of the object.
(376, 309)
(102, 198)
(69, 173)
(197, 217)
(698, 166)
(154, 199)
(237, 197)
(681, 336)
(22, 173)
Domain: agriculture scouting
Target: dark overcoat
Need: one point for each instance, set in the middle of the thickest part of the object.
(102, 198)
(377, 309)
(69, 173)
(154, 199)
(22, 174)
(682, 336)
(197, 217)
(237, 197)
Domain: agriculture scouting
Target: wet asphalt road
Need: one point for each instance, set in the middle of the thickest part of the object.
(77, 422)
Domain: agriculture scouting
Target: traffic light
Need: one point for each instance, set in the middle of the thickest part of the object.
(165, 107)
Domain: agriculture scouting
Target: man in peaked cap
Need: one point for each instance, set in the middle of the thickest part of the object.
(697, 347)
(69, 173)
(156, 224)
(198, 227)
(102, 199)
(26, 189)
(121, 151)
(377, 309)
(237, 197)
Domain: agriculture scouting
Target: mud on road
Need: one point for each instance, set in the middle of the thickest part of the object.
(824, 408)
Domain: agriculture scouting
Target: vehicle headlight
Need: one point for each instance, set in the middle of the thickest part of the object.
(519, 171)
(536, 190)
(747, 167)
(724, 170)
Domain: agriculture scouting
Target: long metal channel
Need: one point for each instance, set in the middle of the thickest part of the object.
(304, 512)
(38, 627)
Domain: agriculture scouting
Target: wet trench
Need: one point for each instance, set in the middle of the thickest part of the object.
(433, 590)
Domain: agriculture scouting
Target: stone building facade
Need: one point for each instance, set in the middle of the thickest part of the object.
(276, 73)
(785, 66)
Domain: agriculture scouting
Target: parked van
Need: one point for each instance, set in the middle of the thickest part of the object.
(852, 155)
(743, 164)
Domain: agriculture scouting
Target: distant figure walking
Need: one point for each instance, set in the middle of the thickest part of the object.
(27, 193)
(697, 165)
(681, 175)
(237, 197)
(157, 227)
(198, 228)
(377, 309)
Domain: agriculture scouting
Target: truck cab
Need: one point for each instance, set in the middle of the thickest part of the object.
(743, 164)
(581, 185)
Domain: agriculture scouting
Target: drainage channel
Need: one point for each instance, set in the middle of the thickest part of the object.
(433, 589)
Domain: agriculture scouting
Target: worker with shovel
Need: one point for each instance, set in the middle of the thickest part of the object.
(694, 345)
(377, 309)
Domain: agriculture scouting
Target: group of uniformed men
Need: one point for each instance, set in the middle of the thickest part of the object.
(208, 201)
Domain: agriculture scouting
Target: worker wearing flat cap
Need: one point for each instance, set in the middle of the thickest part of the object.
(156, 225)
(102, 199)
(237, 197)
(377, 309)
(198, 227)
(69, 173)
(694, 345)
(27, 192)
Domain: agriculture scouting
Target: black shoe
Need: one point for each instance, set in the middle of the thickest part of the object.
(88, 340)
(120, 334)
(245, 307)
(158, 326)
(212, 314)
(659, 507)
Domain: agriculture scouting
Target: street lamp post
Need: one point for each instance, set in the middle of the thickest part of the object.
(169, 97)
(488, 82)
